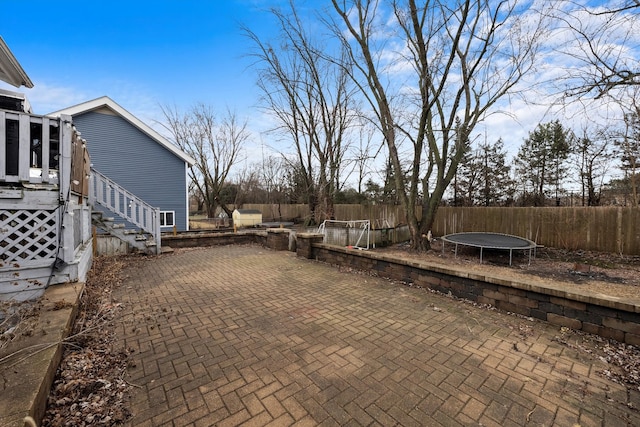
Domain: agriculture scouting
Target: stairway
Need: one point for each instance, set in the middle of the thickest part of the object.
(138, 240)
(142, 219)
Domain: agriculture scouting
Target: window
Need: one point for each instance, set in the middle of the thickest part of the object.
(167, 218)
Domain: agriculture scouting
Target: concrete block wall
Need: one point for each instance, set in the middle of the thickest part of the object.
(273, 238)
(606, 316)
(192, 240)
(278, 239)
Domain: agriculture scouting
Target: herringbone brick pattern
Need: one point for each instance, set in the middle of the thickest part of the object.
(242, 335)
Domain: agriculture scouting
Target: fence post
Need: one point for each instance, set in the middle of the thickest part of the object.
(619, 244)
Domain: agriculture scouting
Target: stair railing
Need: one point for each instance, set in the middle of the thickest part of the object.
(128, 206)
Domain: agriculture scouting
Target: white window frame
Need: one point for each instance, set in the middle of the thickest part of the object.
(163, 219)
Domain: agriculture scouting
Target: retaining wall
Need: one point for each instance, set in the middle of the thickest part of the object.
(607, 316)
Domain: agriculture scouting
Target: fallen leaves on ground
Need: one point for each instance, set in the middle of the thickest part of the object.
(623, 359)
(89, 388)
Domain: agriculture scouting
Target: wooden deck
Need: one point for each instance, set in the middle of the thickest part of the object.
(45, 219)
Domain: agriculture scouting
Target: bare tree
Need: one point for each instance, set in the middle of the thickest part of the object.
(628, 144)
(592, 157)
(216, 147)
(365, 150)
(604, 47)
(312, 101)
(431, 71)
(274, 179)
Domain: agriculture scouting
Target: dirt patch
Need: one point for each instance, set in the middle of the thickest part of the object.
(603, 273)
(89, 388)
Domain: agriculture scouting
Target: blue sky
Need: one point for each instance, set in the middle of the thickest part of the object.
(145, 55)
(141, 54)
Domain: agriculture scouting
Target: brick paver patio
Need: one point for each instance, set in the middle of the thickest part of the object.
(242, 335)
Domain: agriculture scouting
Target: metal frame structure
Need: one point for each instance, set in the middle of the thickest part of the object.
(363, 224)
(487, 240)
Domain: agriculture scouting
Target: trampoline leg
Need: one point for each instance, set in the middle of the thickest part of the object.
(510, 256)
(456, 251)
(481, 255)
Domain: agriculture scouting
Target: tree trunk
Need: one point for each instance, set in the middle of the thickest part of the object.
(211, 211)
(313, 207)
(225, 208)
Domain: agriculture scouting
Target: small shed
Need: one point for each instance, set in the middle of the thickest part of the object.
(246, 218)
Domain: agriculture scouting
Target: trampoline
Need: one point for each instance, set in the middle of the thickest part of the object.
(484, 240)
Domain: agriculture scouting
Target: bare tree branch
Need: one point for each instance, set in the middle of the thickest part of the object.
(216, 147)
(606, 44)
(313, 103)
(431, 71)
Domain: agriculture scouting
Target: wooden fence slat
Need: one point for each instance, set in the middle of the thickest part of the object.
(613, 229)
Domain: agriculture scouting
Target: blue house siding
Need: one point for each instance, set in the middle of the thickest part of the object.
(137, 162)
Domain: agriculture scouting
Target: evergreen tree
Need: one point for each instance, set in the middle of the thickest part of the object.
(484, 177)
(389, 191)
(466, 179)
(541, 162)
(496, 185)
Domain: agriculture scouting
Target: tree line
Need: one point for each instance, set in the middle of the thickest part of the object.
(554, 166)
(406, 84)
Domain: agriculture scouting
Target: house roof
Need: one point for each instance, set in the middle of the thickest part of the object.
(106, 102)
(10, 69)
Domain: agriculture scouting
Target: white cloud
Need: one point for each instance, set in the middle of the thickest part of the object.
(45, 98)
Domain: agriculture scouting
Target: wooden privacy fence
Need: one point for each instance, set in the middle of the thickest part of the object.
(381, 216)
(280, 212)
(605, 228)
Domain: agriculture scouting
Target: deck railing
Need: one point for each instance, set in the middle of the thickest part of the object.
(44, 219)
(30, 147)
(125, 204)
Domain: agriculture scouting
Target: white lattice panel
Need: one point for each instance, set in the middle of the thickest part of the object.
(28, 235)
